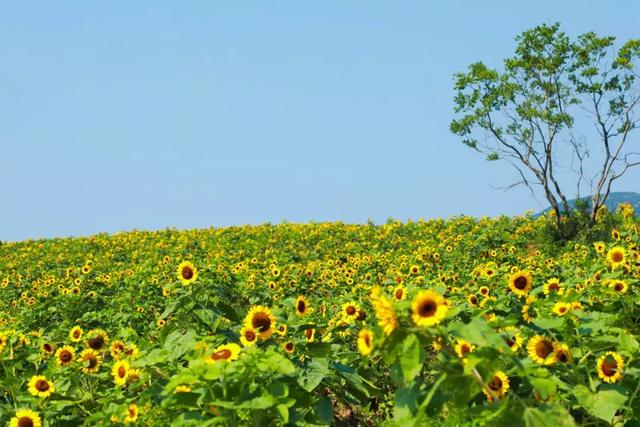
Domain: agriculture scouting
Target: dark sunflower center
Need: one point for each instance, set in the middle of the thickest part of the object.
(92, 362)
(362, 315)
(261, 321)
(132, 412)
(25, 422)
(464, 349)
(122, 372)
(301, 306)
(473, 299)
(484, 291)
(47, 347)
(510, 342)
(65, 356)
(427, 308)
(609, 366)
(553, 287)
(563, 357)
(367, 340)
(187, 272)
(562, 310)
(76, 334)
(96, 343)
(42, 385)
(618, 287)
(520, 282)
(250, 336)
(543, 348)
(616, 256)
(351, 310)
(495, 384)
(308, 333)
(221, 354)
(289, 346)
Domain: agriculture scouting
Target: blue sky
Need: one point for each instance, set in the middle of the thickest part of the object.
(120, 115)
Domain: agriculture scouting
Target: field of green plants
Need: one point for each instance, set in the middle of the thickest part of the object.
(443, 322)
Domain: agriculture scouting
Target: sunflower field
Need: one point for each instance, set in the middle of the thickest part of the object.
(452, 322)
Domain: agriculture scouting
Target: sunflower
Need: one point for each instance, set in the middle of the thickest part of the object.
(281, 330)
(472, 299)
(166, 292)
(289, 347)
(349, 311)
(186, 273)
(134, 375)
(309, 334)
(619, 286)
(599, 247)
(65, 355)
(302, 306)
(541, 350)
(117, 349)
(429, 308)
(365, 342)
(399, 293)
(248, 336)
(40, 386)
(616, 256)
(552, 285)
(91, 361)
(561, 308)
(4, 339)
(48, 348)
(610, 367)
(484, 291)
(131, 413)
(562, 353)
(512, 338)
(384, 311)
(463, 348)
(25, 418)
(182, 389)
(120, 372)
(97, 339)
(498, 384)
(414, 269)
(262, 320)
(226, 352)
(520, 283)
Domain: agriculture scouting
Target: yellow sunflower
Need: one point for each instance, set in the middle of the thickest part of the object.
(40, 386)
(97, 339)
(463, 348)
(541, 350)
(512, 338)
(75, 334)
(552, 285)
(248, 336)
(399, 293)
(520, 283)
(498, 384)
(610, 367)
(349, 311)
(302, 306)
(120, 372)
(65, 355)
(562, 353)
(117, 349)
(472, 299)
(262, 320)
(91, 361)
(186, 273)
(25, 418)
(281, 330)
(561, 308)
(289, 347)
(619, 286)
(616, 256)
(429, 308)
(131, 413)
(309, 334)
(365, 342)
(225, 352)
(384, 311)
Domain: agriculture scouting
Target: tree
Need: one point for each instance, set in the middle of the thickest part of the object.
(532, 114)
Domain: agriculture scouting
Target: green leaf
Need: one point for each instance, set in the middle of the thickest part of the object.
(546, 387)
(550, 415)
(412, 357)
(602, 404)
(283, 411)
(479, 333)
(178, 343)
(324, 410)
(313, 374)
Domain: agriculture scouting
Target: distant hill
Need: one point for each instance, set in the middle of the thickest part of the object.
(612, 202)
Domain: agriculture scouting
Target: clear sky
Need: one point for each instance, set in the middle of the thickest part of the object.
(119, 115)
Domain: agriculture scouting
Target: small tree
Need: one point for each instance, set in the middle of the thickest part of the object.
(536, 113)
